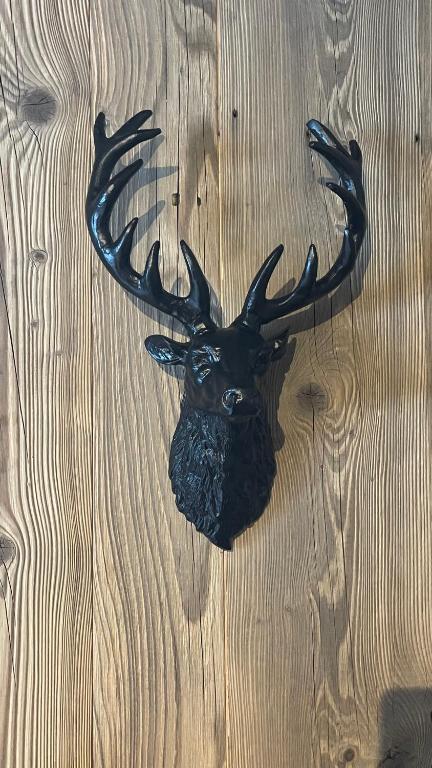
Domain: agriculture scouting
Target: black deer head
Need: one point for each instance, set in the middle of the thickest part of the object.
(222, 460)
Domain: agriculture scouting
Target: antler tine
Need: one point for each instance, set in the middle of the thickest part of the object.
(193, 311)
(199, 297)
(257, 310)
(109, 149)
(104, 192)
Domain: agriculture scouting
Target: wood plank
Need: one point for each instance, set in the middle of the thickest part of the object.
(45, 479)
(328, 596)
(159, 696)
(310, 643)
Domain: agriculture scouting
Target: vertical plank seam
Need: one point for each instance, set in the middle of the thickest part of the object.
(221, 281)
(92, 478)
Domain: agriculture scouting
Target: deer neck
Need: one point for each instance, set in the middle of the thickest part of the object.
(221, 471)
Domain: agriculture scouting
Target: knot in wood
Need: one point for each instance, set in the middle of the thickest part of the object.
(312, 397)
(7, 550)
(37, 107)
(38, 256)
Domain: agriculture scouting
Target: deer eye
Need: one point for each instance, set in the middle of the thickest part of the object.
(201, 363)
(201, 371)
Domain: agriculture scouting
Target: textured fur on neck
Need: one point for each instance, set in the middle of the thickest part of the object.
(221, 472)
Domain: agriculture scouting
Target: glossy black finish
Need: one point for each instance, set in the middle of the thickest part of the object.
(221, 471)
(222, 460)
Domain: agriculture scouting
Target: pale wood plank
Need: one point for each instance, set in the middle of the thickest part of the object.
(328, 597)
(159, 696)
(325, 651)
(45, 495)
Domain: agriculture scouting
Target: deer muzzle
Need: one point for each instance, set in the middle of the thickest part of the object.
(241, 402)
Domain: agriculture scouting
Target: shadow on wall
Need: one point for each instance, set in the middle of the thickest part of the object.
(405, 724)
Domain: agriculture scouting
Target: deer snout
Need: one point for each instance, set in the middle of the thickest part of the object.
(241, 402)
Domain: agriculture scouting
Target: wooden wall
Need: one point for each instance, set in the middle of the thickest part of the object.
(126, 639)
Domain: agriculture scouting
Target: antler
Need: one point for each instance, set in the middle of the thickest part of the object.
(257, 310)
(193, 311)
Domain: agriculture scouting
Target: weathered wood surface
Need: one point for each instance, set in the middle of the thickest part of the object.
(45, 481)
(329, 597)
(159, 695)
(125, 638)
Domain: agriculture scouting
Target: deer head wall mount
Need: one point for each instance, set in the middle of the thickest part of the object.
(222, 459)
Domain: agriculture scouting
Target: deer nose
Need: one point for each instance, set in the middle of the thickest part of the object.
(240, 400)
(231, 397)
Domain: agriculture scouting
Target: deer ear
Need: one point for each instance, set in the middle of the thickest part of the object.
(279, 345)
(166, 351)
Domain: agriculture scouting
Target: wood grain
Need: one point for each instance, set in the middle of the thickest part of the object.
(328, 598)
(126, 639)
(159, 696)
(45, 496)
